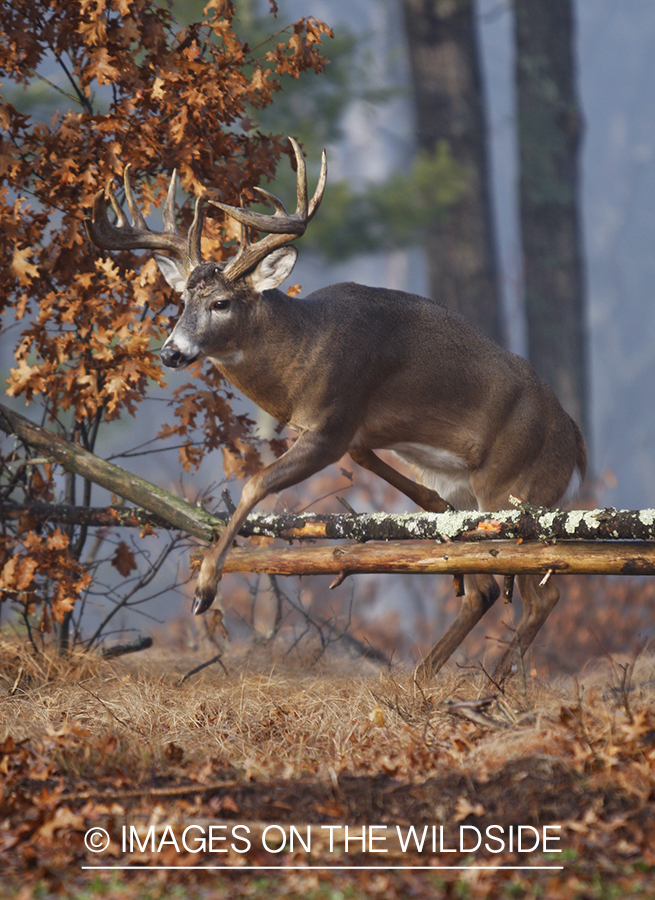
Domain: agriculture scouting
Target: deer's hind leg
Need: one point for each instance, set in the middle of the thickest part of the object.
(538, 602)
(480, 591)
(480, 594)
(423, 496)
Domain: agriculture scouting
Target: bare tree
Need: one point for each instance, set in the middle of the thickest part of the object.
(449, 107)
(549, 129)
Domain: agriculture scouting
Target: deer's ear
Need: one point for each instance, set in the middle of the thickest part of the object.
(274, 268)
(172, 272)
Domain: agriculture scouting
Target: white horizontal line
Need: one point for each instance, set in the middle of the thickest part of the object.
(255, 869)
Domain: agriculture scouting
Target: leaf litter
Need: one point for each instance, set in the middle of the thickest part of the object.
(86, 743)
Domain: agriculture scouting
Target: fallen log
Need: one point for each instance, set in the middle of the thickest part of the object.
(526, 523)
(419, 557)
(160, 508)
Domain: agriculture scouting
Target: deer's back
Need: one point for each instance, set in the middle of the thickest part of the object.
(399, 345)
(434, 382)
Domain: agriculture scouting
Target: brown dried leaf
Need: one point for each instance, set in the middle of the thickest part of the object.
(123, 559)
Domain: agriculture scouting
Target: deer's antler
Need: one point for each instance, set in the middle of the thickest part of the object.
(123, 236)
(281, 227)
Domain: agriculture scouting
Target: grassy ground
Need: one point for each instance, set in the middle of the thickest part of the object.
(119, 746)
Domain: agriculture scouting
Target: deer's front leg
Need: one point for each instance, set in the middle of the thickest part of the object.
(312, 452)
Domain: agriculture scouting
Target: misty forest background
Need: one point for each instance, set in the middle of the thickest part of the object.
(556, 262)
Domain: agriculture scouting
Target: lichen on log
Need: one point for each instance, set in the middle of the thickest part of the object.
(159, 508)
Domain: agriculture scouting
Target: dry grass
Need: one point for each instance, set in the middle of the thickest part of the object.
(285, 722)
(91, 741)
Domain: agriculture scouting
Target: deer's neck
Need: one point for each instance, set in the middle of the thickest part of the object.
(268, 366)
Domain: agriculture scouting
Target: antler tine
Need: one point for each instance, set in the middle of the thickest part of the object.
(168, 213)
(139, 223)
(272, 199)
(282, 227)
(282, 222)
(101, 196)
(315, 202)
(170, 225)
(301, 180)
(99, 229)
(244, 234)
(194, 236)
(123, 236)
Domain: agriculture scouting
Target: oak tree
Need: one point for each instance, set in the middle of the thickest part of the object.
(138, 90)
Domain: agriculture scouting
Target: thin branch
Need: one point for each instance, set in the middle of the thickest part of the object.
(210, 662)
(140, 584)
(28, 627)
(113, 714)
(84, 101)
(145, 791)
(51, 84)
(142, 643)
(128, 454)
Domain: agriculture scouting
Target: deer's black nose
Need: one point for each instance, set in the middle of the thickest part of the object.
(172, 356)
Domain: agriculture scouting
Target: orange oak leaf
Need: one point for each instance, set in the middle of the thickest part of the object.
(21, 267)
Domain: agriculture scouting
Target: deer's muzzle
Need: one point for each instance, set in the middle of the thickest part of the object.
(174, 358)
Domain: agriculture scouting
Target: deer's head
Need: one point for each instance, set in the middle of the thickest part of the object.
(218, 298)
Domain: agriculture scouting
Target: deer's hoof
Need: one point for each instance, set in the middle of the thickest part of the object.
(201, 602)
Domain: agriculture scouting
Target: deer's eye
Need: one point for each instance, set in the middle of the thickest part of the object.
(220, 305)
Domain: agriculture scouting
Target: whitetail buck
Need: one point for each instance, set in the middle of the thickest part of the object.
(353, 369)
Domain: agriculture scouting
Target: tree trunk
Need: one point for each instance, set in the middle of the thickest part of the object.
(447, 87)
(549, 128)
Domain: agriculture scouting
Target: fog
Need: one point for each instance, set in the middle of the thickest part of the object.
(616, 79)
(616, 83)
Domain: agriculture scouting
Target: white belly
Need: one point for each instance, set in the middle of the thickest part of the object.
(440, 470)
